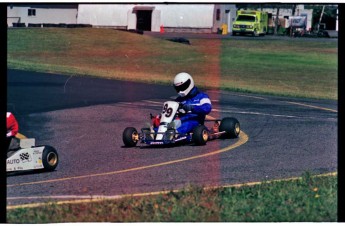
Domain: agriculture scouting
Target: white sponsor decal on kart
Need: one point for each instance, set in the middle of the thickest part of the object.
(157, 142)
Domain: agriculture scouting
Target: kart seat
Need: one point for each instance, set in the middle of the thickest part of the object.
(27, 143)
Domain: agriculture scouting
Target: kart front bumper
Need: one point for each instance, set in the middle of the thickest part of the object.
(169, 137)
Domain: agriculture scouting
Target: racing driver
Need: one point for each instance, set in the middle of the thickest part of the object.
(12, 131)
(195, 104)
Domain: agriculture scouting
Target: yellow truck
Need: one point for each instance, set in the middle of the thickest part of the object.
(250, 22)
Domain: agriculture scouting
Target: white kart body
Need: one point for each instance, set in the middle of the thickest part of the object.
(26, 158)
(168, 114)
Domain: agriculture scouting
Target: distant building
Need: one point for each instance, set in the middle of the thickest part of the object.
(198, 18)
(284, 15)
(41, 14)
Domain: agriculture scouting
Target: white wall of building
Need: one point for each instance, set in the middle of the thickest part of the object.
(48, 13)
(168, 15)
(103, 14)
(200, 16)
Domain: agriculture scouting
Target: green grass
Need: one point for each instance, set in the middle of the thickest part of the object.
(295, 68)
(280, 67)
(98, 52)
(308, 199)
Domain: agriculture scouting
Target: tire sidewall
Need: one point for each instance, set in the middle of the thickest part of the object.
(127, 137)
(229, 126)
(198, 134)
(47, 151)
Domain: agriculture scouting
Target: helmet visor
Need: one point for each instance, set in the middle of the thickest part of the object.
(182, 87)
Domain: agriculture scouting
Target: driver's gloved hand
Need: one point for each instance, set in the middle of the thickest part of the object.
(187, 107)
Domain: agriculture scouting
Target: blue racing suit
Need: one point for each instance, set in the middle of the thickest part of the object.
(200, 105)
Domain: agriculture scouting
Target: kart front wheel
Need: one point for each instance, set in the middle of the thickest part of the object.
(231, 126)
(130, 137)
(50, 158)
(200, 135)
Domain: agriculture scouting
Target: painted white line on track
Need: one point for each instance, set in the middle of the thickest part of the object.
(250, 96)
(254, 113)
(153, 102)
(311, 106)
(289, 102)
(276, 115)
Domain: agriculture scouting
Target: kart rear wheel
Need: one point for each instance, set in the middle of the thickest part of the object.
(200, 135)
(130, 137)
(231, 126)
(50, 158)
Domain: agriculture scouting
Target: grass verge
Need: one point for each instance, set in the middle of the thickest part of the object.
(307, 199)
(301, 68)
(295, 67)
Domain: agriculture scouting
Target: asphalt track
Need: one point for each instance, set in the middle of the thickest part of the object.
(83, 118)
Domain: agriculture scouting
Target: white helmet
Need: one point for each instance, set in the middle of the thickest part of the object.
(183, 83)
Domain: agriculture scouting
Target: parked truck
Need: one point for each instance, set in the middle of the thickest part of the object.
(250, 22)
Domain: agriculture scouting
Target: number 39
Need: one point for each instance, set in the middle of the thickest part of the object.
(167, 110)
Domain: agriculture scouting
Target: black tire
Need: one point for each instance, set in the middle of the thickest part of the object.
(200, 135)
(231, 126)
(50, 158)
(128, 137)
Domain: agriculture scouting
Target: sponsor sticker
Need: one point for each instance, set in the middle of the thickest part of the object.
(25, 157)
(13, 161)
(157, 142)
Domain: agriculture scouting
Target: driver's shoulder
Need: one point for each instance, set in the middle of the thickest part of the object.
(202, 95)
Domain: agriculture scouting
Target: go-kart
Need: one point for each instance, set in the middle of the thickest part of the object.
(30, 157)
(228, 127)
